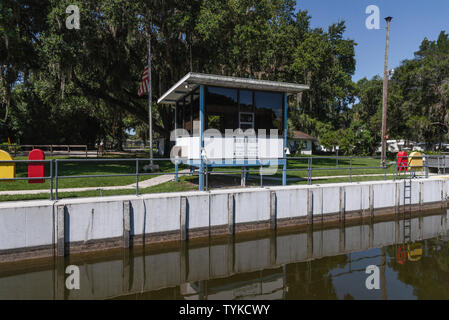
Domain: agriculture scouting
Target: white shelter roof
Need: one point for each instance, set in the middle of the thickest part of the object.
(192, 80)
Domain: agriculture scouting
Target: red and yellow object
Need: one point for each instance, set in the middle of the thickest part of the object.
(402, 161)
(415, 161)
(8, 169)
(36, 169)
(401, 254)
(414, 251)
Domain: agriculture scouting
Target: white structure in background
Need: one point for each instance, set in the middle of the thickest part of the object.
(322, 148)
(407, 145)
(301, 141)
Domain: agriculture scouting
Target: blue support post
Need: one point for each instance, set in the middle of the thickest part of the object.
(176, 127)
(284, 170)
(201, 176)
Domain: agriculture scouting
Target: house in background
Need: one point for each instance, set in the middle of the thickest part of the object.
(301, 142)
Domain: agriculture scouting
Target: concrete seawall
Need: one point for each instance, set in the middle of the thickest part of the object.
(31, 229)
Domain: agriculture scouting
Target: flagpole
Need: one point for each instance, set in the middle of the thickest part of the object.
(150, 107)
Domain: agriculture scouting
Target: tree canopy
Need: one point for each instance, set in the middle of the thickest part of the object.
(418, 101)
(60, 85)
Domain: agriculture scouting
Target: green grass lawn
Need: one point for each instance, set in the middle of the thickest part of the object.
(232, 181)
(324, 167)
(85, 168)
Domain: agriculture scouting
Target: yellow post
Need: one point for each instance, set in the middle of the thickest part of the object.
(414, 251)
(7, 170)
(415, 161)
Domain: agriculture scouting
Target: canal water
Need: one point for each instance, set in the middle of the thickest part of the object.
(338, 262)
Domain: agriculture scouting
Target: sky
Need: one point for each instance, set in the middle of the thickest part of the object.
(413, 20)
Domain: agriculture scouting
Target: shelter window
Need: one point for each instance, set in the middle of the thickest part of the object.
(246, 101)
(221, 108)
(268, 109)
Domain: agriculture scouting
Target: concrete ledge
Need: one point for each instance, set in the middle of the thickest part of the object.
(252, 226)
(156, 238)
(219, 230)
(13, 255)
(292, 222)
(93, 245)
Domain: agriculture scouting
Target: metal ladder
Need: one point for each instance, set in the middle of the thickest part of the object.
(407, 210)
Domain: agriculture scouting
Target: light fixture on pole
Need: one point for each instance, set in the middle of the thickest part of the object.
(336, 149)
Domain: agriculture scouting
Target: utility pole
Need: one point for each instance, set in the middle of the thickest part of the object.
(385, 97)
(150, 107)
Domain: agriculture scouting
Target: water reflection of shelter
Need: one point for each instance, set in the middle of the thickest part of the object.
(266, 284)
(229, 104)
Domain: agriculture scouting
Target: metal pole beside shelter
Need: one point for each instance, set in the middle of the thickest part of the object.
(150, 107)
(284, 170)
(201, 175)
(176, 128)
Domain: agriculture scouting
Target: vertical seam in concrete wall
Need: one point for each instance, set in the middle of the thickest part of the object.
(309, 206)
(321, 204)
(362, 210)
(90, 226)
(420, 195)
(342, 203)
(60, 231)
(273, 206)
(444, 193)
(231, 213)
(144, 220)
(396, 198)
(183, 218)
(208, 210)
(55, 230)
(126, 223)
(371, 201)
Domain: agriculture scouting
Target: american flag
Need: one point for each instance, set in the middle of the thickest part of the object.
(145, 82)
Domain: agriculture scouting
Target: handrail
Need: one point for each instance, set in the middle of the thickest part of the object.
(307, 166)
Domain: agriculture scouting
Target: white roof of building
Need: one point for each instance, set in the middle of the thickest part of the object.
(192, 80)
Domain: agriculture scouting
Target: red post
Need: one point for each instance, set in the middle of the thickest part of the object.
(36, 169)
